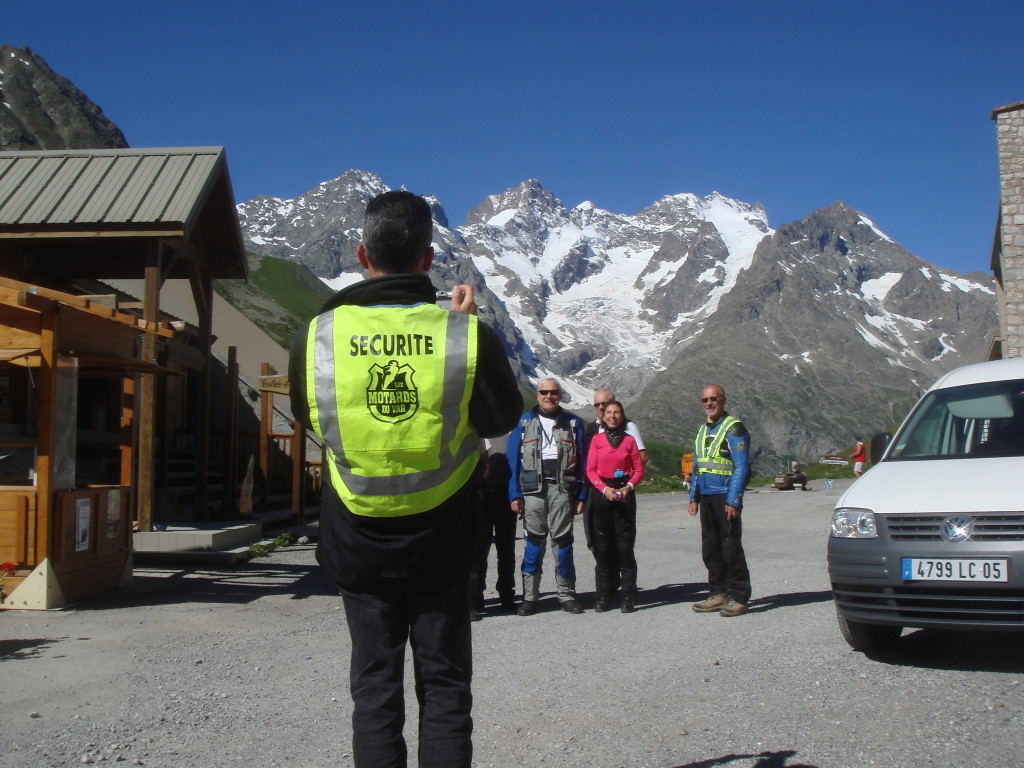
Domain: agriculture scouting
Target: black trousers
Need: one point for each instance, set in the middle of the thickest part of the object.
(501, 524)
(436, 622)
(613, 538)
(722, 549)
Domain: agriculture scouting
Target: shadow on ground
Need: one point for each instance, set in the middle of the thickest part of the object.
(19, 650)
(674, 594)
(655, 597)
(762, 760)
(789, 599)
(956, 650)
(156, 586)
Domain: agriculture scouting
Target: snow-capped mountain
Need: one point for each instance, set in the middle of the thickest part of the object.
(830, 333)
(689, 290)
(601, 297)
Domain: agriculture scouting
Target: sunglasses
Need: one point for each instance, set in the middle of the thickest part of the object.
(712, 399)
(549, 391)
(601, 405)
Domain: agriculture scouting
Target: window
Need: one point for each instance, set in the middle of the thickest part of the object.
(963, 422)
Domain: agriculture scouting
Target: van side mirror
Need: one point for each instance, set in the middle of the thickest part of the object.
(879, 443)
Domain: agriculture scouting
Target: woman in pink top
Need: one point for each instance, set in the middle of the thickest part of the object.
(614, 469)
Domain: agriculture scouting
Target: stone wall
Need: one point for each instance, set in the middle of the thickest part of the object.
(1010, 139)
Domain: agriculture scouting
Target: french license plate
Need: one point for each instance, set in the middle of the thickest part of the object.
(953, 569)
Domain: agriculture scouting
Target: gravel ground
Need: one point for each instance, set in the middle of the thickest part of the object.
(248, 666)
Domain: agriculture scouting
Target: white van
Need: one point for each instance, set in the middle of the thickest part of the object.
(933, 534)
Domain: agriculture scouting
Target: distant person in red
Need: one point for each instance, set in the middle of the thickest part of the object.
(614, 468)
(860, 455)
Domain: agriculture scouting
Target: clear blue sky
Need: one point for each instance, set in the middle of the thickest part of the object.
(884, 105)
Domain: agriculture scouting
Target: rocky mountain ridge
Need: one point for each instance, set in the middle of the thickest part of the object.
(821, 329)
(40, 109)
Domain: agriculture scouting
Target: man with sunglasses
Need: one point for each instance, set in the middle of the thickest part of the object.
(721, 471)
(546, 489)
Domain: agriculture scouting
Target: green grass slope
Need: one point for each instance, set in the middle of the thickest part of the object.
(279, 295)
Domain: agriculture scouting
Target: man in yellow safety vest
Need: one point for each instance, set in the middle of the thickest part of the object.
(721, 471)
(401, 391)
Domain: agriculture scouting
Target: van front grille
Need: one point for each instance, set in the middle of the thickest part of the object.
(988, 526)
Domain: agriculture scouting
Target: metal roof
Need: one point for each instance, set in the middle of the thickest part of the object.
(110, 193)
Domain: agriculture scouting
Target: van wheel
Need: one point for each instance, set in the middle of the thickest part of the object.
(868, 637)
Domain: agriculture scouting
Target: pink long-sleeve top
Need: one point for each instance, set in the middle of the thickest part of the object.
(603, 460)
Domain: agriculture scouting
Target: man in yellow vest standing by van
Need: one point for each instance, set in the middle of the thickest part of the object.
(401, 391)
(720, 473)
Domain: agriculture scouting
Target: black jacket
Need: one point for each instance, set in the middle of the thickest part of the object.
(429, 548)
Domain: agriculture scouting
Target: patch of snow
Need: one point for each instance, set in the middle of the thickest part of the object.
(343, 280)
(876, 290)
(952, 281)
(709, 275)
(865, 220)
(871, 339)
(502, 218)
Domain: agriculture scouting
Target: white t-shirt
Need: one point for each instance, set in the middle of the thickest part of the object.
(631, 429)
(548, 446)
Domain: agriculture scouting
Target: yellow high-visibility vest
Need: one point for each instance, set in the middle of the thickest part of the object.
(709, 457)
(388, 390)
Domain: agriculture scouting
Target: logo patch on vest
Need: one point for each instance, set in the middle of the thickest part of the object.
(391, 395)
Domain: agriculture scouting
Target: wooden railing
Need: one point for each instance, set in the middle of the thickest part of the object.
(278, 479)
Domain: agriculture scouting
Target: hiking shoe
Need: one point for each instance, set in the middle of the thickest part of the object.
(628, 604)
(528, 608)
(732, 608)
(713, 603)
(476, 615)
(602, 604)
(508, 602)
(571, 606)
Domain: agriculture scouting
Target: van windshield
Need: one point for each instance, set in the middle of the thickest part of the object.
(972, 421)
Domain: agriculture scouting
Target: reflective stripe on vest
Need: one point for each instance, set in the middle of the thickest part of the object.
(392, 406)
(708, 457)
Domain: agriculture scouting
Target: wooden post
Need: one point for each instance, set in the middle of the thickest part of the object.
(147, 398)
(298, 451)
(266, 429)
(165, 434)
(230, 506)
(46, 514)
(127, 448)
(202, 290)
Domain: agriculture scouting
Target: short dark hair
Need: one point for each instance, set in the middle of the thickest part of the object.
(397, 230)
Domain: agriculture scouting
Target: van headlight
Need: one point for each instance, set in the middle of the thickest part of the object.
(853, 523)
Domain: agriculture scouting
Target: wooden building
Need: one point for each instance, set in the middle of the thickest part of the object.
(70, 219)
(66, 466)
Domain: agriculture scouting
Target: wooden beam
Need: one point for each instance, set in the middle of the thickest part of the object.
(46, 515)
(91, 234)
(202, 290)
(299, 472)
(21, 528)
(147, 398)
(266, 429)
(42, 299)
(127, 422)
(231, 436)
